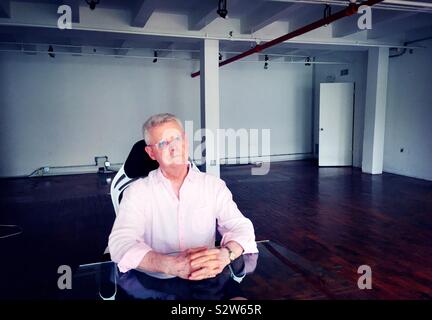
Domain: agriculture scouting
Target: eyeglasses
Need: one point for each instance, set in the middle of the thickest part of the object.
(163, 144)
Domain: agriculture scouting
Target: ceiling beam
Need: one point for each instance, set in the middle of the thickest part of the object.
(29, 49)
(75, 46)
(100, 36)
(267, 14)
(142, 13)
(307, 15)
(419, 33)
(298, 54)
(120, 47)
(166, 46)
(396, 27)
(206, 14)
(348, 25)
(345, 27)
(203, 16)
(5, 9)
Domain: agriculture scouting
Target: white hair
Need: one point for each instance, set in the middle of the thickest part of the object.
(157, 120)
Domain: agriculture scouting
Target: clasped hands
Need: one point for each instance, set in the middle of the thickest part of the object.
(199, 263)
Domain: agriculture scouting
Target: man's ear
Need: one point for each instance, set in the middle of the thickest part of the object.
(149, 151)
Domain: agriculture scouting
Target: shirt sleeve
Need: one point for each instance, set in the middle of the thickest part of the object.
(126, 242)
(232, 224)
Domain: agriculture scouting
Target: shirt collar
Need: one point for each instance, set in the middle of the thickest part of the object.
(190, 175)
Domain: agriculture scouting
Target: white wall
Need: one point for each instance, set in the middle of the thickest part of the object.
(357, 73)
(67, 110)
(409, 114)
(279, 98)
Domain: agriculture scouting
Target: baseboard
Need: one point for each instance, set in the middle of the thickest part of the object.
(272, 158)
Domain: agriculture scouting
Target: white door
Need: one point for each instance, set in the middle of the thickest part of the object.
(335, 124)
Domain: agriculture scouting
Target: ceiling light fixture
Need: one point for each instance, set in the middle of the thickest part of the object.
(51, 52)
(222, 8)
(92, 3)
(327, 12)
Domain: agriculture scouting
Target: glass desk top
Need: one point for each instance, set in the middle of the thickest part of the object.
(274, 273)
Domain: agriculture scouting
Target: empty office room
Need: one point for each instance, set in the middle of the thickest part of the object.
(215, 150)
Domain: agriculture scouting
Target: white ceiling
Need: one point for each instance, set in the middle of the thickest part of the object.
(180, 25)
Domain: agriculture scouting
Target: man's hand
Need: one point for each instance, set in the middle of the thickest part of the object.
(193, 264)
(180, 265)
(208, 263)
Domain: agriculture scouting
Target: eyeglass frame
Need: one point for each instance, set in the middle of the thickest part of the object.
(178, 138)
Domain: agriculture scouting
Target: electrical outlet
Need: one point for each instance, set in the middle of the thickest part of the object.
(344, 72)
(100, 161)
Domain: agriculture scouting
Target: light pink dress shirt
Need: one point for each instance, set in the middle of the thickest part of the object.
(151, 217)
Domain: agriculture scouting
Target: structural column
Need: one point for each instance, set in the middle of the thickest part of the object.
(209, 80)
(375, 110)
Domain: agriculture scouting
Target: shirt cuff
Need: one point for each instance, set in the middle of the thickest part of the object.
(132, 258)
(249, 245)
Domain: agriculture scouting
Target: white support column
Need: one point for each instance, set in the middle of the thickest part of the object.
(209, 79)
(376, 98)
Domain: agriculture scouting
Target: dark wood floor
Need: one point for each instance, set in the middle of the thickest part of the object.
(336, 219)
(340, 219)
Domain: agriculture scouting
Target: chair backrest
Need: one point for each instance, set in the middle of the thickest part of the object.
(120, 182)
(138, 164)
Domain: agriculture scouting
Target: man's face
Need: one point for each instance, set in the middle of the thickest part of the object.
(168, 144)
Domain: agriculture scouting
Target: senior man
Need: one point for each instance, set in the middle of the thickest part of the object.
(166, 223)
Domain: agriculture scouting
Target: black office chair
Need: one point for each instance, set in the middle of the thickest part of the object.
(137, 165)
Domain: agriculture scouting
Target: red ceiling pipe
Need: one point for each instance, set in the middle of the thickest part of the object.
(348, 11)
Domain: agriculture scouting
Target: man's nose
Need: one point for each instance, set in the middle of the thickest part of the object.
(173, 146)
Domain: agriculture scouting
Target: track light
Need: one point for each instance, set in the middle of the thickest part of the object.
(222, 8)
(220, 56)
(92, 3)
(307, 63)
(155, 55)
(51, 52)
(266, 63)
(327, 12)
